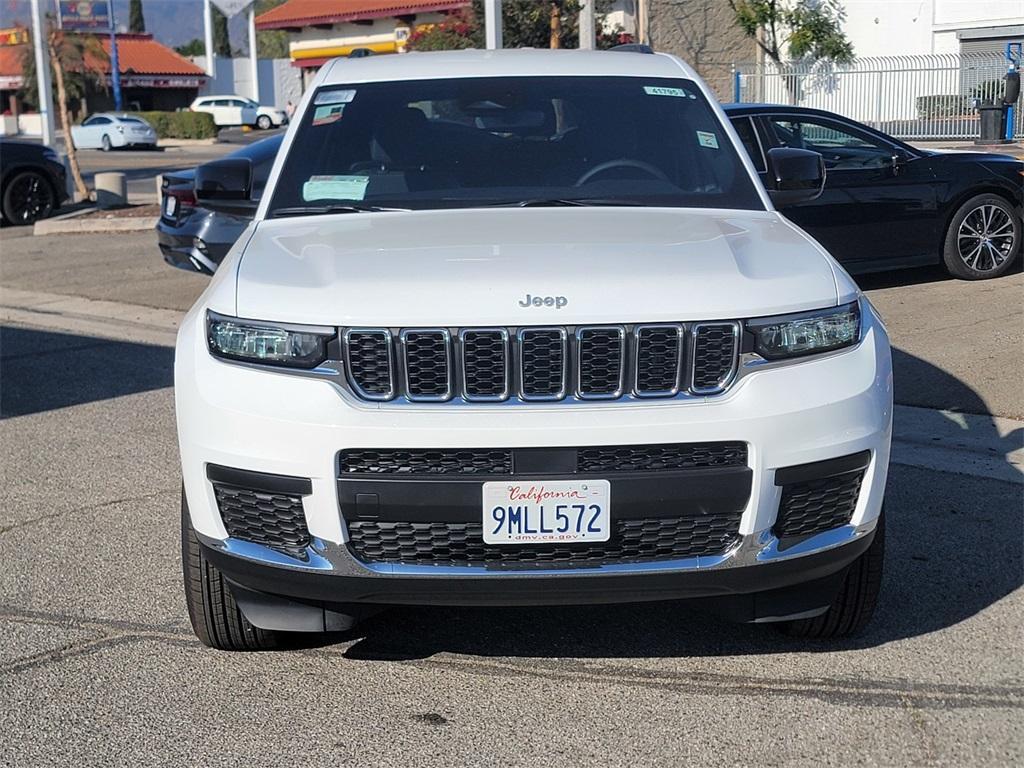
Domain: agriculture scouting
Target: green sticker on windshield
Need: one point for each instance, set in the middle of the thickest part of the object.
(335, 188)
(658, 90)
(706, 139)
(329, 114)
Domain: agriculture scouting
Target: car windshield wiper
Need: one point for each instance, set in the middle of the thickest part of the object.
(556, 202)
(316, 210)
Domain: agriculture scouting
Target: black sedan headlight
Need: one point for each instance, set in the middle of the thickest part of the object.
(806, 333)
(252, 341)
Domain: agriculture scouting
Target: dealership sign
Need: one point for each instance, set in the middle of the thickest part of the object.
(84, 14)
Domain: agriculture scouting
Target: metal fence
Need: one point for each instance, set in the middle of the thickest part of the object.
(910, 97)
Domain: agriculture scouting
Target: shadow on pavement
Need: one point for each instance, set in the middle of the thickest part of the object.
(42, 370)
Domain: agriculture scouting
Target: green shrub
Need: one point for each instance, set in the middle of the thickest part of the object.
(181, 125)
(942, 105)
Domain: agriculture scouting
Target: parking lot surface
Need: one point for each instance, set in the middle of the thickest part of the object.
(98, 665)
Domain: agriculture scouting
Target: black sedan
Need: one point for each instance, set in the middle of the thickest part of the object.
(887, 204)
(32, 182)
(195, 238)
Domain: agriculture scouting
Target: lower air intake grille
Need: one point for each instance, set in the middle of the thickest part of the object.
(632, 541)
(652, 458)
(817, 506)
(272, 519)
(427, 461)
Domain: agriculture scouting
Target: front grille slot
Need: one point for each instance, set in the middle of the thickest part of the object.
(715, 351)
(493, 365)
(370, 363)
(428, 368)
(659, 357)
(632, 541)
(543, 363)
(485, 364)
(601, 362)
(816, 506)
(274, 520)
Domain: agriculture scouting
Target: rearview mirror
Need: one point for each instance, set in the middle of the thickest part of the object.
(225, 185)
(794, 175)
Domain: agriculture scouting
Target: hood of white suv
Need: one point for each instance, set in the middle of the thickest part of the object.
(529, 266)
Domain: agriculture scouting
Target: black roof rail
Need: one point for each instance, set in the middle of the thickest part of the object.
(632, 48)
(358, 53)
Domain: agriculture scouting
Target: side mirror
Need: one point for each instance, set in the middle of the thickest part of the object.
(225, 185)
(899, 159)
(794, 175)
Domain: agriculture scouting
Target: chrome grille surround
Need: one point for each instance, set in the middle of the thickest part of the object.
(539, 364)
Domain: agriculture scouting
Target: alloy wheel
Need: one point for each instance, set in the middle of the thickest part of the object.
(30, 198)
(985, 239)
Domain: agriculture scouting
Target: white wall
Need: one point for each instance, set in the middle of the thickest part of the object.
(279, 80)
(902, 27)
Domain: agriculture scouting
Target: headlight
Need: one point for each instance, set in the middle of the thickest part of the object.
(266, 343)
(806, 333)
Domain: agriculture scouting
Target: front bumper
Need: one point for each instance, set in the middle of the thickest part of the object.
(817, 410)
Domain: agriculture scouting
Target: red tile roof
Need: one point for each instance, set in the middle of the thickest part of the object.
(305, 13)
(136, 54)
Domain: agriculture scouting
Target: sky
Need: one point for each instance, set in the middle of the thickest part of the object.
(172, 22)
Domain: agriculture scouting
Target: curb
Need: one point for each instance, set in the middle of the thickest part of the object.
(70, 224)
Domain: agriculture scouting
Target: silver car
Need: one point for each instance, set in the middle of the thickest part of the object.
(107, 130)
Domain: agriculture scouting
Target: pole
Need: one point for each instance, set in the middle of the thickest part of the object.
(587, 30)
(492, 24)
(115, 68)
(208, 37)
(42, 75)
(254, 62)
(641, 22)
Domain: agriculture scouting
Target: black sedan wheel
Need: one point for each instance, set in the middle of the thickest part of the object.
(27, 198)
(983, 238)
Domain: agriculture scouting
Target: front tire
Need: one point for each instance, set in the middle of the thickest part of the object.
(853, 607)
(264, 123)
(983, 239)
(27, 198)
(105, 144)
(216, 618)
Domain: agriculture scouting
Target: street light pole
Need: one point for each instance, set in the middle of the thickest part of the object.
(492, 24)
(253, 61)
(208, 37)
(42, 75)
(587, 29)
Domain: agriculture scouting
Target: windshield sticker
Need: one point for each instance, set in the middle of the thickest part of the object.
(706, 139)
(335, 96)
(335, 188)
(329, 114)
(657, 90)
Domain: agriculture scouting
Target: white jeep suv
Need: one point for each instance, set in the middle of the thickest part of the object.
(518, 328)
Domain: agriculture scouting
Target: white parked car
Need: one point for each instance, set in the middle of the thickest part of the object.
(107, 131)
(525, 327)
(238, 110)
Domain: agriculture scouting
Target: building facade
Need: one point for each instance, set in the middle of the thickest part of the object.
(887, 28)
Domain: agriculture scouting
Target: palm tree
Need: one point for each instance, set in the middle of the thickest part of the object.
(75, 60)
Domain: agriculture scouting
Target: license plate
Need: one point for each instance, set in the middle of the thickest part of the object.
(539, 512)
(170, 206)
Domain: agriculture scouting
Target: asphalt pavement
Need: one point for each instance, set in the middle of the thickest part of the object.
(99, 667)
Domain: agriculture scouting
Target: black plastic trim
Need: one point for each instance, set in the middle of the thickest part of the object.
(259, 481)
(818, 470)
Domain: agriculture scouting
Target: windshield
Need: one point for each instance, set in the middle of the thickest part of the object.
(507, 141)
